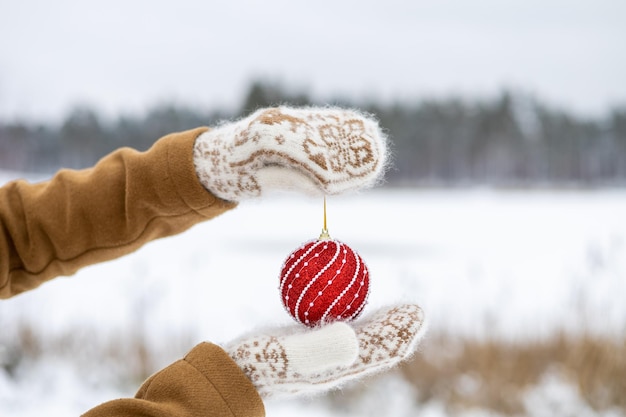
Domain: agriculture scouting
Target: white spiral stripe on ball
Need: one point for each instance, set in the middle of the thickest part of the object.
(345, 290)
(320, 273)
(364, 302)
(286, 276)
(341, 248)
(358, 293)
(359, 310)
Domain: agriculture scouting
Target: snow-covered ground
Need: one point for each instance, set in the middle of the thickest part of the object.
(515, 264)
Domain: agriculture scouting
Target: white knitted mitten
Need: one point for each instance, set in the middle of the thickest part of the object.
(314, 361)
(315, 150)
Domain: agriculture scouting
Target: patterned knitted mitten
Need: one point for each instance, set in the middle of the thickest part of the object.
(315, 150)
(314, 361)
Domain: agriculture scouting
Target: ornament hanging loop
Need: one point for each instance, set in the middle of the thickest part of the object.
(324, 235)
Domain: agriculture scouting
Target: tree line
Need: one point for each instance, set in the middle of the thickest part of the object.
(510, 140)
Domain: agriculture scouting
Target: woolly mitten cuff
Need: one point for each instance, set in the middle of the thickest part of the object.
(315, 150)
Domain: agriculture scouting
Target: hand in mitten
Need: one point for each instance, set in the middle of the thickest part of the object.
(315, 150)
(314, 361)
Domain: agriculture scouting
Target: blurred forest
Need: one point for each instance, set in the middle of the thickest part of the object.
(512, 140)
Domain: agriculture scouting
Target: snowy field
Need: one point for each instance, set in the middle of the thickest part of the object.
(512, 264)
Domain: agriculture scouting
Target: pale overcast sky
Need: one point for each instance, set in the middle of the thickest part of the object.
(124, 55)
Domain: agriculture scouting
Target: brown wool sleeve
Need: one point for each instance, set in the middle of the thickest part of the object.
(205, 383)
(83, 217)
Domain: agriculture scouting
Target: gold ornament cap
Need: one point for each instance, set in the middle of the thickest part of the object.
(324, 235)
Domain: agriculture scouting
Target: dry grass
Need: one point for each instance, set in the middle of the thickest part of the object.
(490, 374)
(461, 373)
(128, 357)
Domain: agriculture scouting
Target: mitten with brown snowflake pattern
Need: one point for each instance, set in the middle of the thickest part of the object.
(320, 151)
(313, 361)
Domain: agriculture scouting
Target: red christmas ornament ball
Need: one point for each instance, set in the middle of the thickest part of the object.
(323, 281)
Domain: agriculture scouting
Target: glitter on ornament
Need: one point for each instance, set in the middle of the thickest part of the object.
(324, 280)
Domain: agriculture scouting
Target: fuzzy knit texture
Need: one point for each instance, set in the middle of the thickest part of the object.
(317, 150)
(271, 359)
(277, 369)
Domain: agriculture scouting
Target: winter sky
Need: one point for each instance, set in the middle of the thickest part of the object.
(123, 56)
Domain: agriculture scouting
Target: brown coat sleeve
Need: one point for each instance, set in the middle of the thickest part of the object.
(205, 383)
(84, 217)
